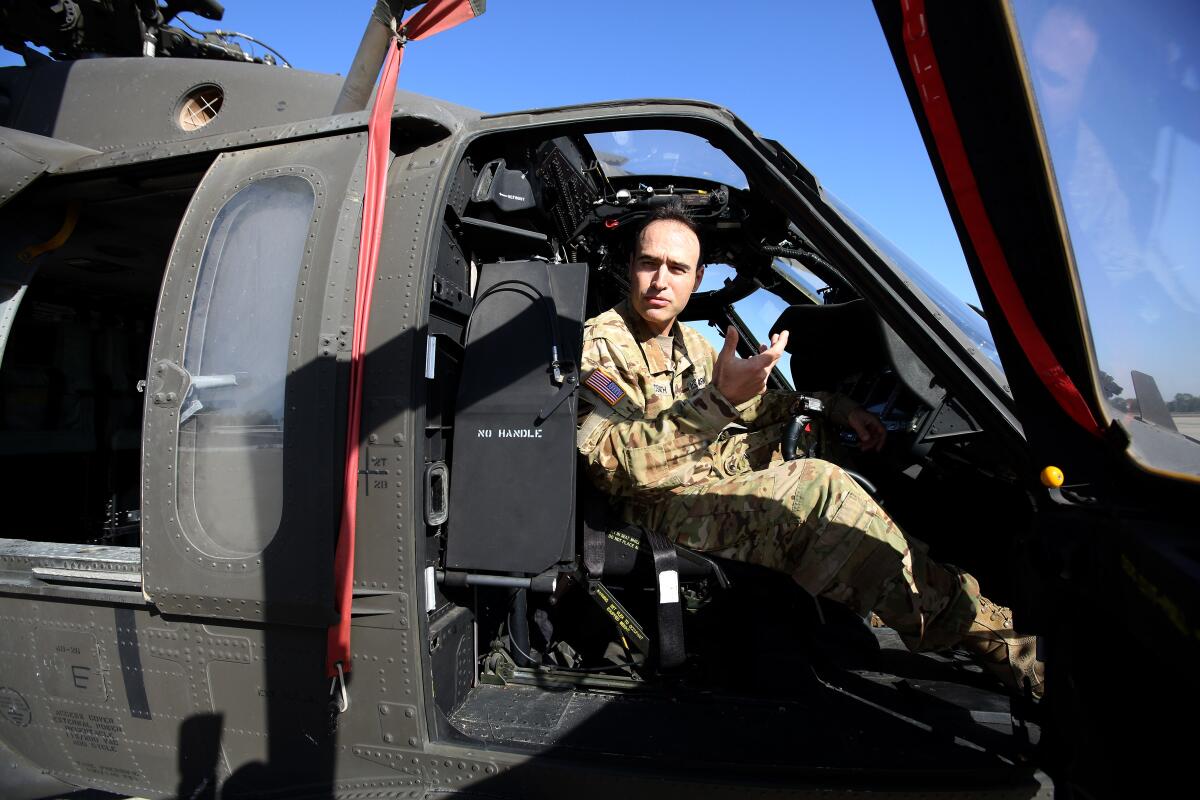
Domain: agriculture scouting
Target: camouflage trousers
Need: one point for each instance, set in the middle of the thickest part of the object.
(810, 519)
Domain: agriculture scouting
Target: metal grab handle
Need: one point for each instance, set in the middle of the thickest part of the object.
(437, 493)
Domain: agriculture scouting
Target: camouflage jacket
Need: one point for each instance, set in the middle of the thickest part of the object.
(652, 424)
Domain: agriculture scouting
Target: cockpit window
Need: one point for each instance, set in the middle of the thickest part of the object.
(666, 153)
(966, 318)
(231, 431)
(1118, 88)
(802, 278)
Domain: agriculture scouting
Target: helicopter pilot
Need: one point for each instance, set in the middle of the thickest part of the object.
(687, 440)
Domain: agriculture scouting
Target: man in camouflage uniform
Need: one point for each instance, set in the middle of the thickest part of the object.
(689, 441)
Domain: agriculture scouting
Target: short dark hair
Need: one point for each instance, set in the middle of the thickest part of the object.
(670, 214)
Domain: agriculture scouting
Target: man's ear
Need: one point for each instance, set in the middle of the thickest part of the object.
(699, 277)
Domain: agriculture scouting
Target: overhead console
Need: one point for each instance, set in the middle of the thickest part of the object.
(568, 183)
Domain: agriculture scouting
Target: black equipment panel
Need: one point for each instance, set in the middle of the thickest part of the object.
(512, 480)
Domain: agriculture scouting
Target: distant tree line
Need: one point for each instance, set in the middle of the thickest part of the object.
(1184, 402)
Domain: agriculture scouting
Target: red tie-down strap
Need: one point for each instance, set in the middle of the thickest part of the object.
(434, 17)
(921, 60)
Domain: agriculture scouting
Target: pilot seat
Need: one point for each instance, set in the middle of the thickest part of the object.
(512, 520)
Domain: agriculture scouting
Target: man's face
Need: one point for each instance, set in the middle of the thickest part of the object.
(664, 272)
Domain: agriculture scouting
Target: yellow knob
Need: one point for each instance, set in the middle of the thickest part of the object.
(1052, 477)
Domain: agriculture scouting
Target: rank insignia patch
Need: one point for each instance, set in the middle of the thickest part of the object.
(603, 384)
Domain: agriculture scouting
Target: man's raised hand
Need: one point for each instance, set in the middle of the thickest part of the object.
(740, 379)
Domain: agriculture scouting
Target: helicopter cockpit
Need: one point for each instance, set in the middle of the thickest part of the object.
(530, 577)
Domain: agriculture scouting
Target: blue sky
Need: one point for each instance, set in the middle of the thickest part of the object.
(817, 76)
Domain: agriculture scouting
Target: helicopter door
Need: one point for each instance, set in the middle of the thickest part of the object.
(243, 414)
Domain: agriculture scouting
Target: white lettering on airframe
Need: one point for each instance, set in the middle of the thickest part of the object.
(509, 433)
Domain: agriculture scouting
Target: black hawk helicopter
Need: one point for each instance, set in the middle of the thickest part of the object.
(288, 391)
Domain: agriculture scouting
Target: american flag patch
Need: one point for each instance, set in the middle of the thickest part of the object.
(605, 386)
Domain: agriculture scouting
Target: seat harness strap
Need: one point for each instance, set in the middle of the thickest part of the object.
(670, 609)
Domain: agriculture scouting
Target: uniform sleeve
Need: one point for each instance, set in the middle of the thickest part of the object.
(777, 406)
(628, 453)
(767, 409)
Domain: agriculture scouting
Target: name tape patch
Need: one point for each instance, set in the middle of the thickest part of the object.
(602, 384)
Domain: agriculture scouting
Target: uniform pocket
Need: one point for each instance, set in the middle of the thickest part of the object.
(666, 465)
(720, 514)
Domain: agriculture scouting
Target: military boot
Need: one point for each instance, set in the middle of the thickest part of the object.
(1001, 651)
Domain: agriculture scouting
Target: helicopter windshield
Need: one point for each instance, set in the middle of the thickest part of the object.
(664, 152)
(957, 312)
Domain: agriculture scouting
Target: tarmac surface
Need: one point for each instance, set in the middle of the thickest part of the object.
(1188, 423)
